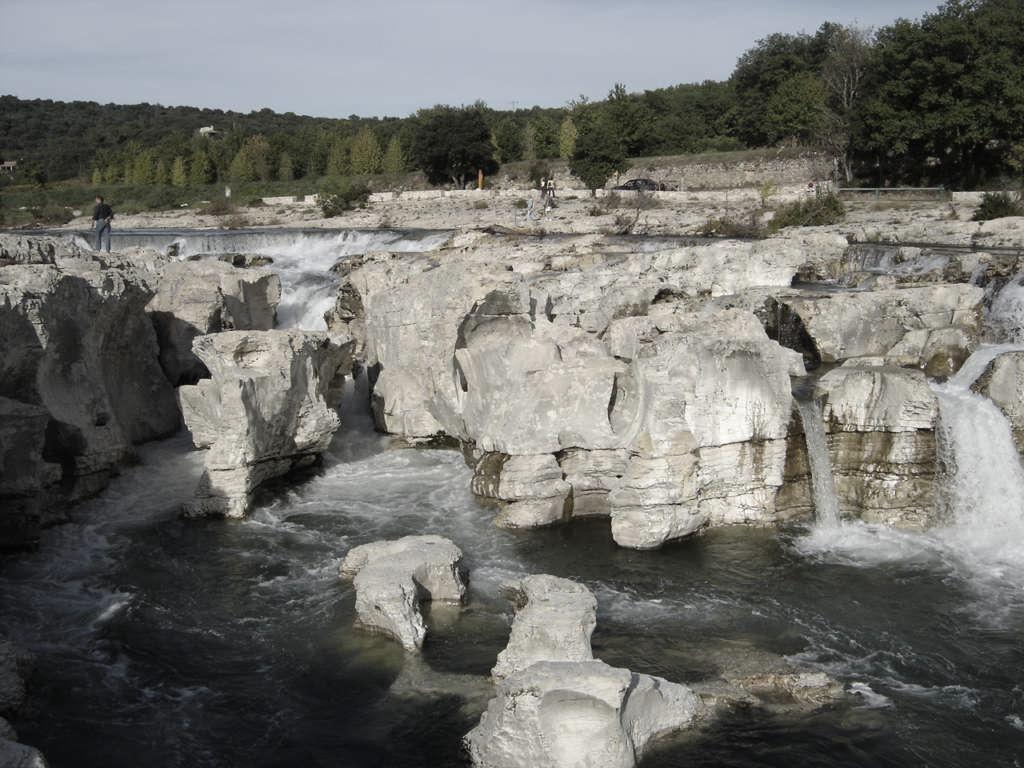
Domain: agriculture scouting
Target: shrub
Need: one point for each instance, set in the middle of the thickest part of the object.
(520, 203)
(222, 206)
(339, 195)
(729, 227)
(538, 170)
(817, 211)
(998, 205)
(646, 202)
(480, 205)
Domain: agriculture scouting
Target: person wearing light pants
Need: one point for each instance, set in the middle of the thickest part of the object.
(102, 215)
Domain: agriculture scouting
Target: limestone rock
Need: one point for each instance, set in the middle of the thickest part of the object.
(935, 326)
(15, 665)
(593, 475)
(556, 714)
(36, 249)
(15, 755)
(199, 297)
(392, 578)
(554, 621)
(529, 489)
(1003, 383)
(264, 412)
(75, 340)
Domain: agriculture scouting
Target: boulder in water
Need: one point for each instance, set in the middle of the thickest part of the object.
(529, 489)
(554, 621)
(392, 579)
(556, 714)
(268, 409)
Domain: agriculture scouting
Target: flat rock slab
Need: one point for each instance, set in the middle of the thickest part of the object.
(392, 579)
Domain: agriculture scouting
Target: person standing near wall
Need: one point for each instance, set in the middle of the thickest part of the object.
(102, 215)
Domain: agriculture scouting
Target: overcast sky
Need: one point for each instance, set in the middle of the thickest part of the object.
(388, 57)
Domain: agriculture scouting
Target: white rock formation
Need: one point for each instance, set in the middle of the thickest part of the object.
(199, 297)
(529, 489)
(572, 714)
(392, 578)
(881, 425)
(267, 409)
(75, 340)
(554, 621)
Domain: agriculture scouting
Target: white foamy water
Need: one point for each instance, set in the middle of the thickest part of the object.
(823, 485)
(304, 261)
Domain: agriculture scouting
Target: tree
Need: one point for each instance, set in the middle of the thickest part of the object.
(179, 176)
(796, 110)
(201, 169)
(142, 169)
(529, 142)
(160, 173)
(599, 153)
(846, 63)
(285, 171)
(631, 119)
(338, 161)
(394, 157)
(508, 141)
(366, 153)
(545, 137)
(97, 177)
(453, 145)
(567, 134)
(252, 162)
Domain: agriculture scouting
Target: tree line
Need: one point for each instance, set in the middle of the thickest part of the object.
(938, 100)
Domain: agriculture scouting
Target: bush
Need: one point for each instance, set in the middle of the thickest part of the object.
(817, 211)
(480, 205)
(520, 203)
(998, 205)
(340, 195)
(222, 206)
(538, 170)
(729, 227)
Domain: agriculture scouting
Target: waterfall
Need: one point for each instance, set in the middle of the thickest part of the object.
(1006, 317)
(984, 480)
(823, 485)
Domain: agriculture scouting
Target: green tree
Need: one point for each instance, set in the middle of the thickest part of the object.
(843, 71)
(529, 142)
(394, 157)
(179, 176)
(599, 153)
(453, 145)
(796, 111)
(567, 134)
(338, 158)
(545, 137)
(201, 168)
(97, 177)
(508, 141)
(285, 170)
(142, 171)
(160, 172)
(366, 153)
(252, 162)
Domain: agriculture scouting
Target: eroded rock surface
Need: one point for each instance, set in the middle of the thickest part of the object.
(554, 621)
(269, 408)
(555, 714)
(392, 579)
(1003, 383)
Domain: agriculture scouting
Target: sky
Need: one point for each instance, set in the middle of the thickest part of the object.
(388, 57)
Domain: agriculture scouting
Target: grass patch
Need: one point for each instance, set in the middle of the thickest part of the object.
(817, 211)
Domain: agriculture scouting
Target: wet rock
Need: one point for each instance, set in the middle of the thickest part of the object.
(554, 621)
(880, 423)
(268, 409)
(35, 249)
(75, 340)
(199, 297)
(392, 579)
(24, 474)
(555, 714)
(1003, 383)
(15, 755)
(15, 666)
(529, 490)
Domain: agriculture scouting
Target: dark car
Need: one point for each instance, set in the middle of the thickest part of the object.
(641, 185)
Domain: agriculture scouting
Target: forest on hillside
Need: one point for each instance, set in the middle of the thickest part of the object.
(938, 100)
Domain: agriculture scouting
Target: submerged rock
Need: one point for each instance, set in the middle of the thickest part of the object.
(200, 297)
(392, 578)
(554, 621)
(268, 409)
(556, 714)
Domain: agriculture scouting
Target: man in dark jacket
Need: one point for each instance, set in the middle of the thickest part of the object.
(102, 215)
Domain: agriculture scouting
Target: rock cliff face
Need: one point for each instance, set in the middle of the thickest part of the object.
(268, 409)
(77, 347)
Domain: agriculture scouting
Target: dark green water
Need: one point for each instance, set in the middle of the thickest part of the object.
(164, 642)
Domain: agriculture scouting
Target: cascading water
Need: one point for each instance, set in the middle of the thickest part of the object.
(823, 486)
(1006, 317)
(984, 483)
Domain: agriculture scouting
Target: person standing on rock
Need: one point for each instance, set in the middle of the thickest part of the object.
(102, 215)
